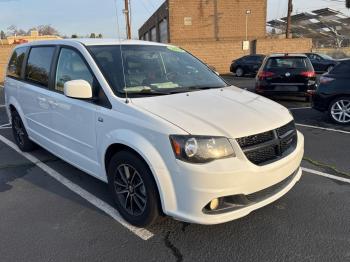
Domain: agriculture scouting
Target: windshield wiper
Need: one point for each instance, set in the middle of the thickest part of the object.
(148, 93)
(193, 88)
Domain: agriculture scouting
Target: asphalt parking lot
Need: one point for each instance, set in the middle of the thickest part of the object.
(50, 211)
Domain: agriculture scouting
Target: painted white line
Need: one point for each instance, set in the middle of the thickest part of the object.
(323, 128)
(109, 210)
(315, 172)
(4, 125)
(297, 108)
(2, 106)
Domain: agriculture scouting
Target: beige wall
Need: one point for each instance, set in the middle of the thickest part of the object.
(343, 52)
(217, 54)
(220, 54)
(295, 45)
(231, 22)
(5, 52)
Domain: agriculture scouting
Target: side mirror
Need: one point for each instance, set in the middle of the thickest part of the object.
(80, 89)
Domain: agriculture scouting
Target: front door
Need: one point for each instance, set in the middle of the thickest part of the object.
(74, 120)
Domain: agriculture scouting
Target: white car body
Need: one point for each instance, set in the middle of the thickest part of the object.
(80, 133)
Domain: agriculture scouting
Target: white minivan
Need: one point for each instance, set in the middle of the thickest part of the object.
(165, 132)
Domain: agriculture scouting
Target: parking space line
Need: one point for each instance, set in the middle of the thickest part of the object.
(297, 108)
(315, 172)
(2, 106)
(324, 128)
(5, 125)
(98, 203)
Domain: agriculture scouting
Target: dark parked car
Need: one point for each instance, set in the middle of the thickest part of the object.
(333, 93)
(246, 65)
(286, 74)
(321, 63)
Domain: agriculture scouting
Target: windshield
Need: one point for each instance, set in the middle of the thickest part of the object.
(144, 70)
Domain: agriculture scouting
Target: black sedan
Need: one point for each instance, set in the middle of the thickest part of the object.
(333, 93)
(286, 75)
(321, 63)
(246, 65)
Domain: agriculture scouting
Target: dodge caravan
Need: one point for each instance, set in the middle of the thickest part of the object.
(167, 134)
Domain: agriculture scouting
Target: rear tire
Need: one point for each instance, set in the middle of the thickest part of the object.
(339, 110)
(20, 133)
(239, 72)
(133, 189)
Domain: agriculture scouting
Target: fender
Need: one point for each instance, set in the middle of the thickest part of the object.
(153, 158)
(13, 101)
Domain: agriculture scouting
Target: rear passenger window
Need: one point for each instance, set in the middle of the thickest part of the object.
(38, 66)
(71, 67)
(15, 65)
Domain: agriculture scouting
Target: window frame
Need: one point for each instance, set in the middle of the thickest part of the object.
(49, 85)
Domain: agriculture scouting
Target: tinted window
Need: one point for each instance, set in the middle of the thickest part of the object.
(71, 66)
(16, 62)
(288, 63)
(342, 68)
(38, 66)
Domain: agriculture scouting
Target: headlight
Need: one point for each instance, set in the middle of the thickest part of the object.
(201, 149)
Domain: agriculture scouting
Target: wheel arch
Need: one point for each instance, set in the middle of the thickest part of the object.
(335, 97)
(135, 143)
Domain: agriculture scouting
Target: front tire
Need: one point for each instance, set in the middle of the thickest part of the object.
(133, 189)
(339, 110)
(20, 133)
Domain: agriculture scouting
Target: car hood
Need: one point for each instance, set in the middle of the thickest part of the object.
(230, 112)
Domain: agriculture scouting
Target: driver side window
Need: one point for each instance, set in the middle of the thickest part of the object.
(71, 66)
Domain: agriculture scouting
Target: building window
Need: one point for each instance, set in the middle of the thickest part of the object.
(153, 34)
(163, 31)
(147, 37)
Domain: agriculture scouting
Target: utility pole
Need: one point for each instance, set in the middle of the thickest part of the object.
(289, 18)
(127, 19)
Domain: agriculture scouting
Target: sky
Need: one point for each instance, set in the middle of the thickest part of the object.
(83, 17)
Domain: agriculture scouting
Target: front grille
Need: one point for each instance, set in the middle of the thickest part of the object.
(255, 139)
(268, 147)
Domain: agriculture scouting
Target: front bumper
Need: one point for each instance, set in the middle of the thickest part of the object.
(197, 185)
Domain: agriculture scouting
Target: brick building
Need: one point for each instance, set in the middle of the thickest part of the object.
(214, 30)
(206, 20)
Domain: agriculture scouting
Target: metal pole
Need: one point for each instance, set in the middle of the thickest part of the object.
(247, 13)
(289, 18)
(246, 27)
(127, 19)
